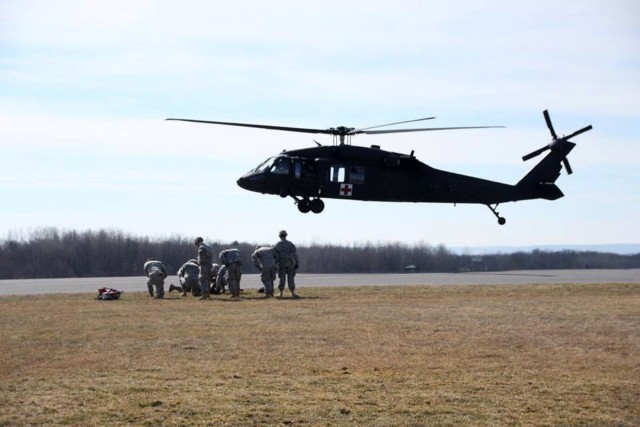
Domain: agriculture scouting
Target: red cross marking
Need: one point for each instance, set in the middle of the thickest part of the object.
(346, 190)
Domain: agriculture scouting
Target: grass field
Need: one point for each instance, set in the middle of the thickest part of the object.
(386, 356)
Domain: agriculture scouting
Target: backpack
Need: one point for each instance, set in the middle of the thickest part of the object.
(107, 294)
(228, 256)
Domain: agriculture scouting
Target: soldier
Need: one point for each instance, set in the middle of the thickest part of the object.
(287, 259)
(205, 257)
(156, 272)
(188, 276)
(221, 279)
(230, 258)
(264, 260)
(213, 280)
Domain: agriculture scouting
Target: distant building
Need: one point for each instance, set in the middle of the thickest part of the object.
(411, 268)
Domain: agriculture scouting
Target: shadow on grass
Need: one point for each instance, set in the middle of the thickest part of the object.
(262, 298)
(243, 297)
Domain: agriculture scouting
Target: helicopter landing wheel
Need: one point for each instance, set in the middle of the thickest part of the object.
(501, 220)
(316, 206)
(304, 205)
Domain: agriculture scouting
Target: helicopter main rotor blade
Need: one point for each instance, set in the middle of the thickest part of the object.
(578, 132)
(250, 125)
(373, 132)
(390, 124)
(532, 154)
(341, 130)
(549, 125)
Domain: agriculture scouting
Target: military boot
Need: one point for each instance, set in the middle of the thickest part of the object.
(172, 288)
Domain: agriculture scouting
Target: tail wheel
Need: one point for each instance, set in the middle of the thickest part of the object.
(316, 206)
(501, 220)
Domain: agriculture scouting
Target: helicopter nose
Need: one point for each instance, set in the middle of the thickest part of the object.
(243, 182)
(251, 181)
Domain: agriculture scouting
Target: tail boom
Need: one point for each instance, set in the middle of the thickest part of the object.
(539, 183)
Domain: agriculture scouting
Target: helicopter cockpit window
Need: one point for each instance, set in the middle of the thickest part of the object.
(356, 175)
(337, 173)
(264, 165)
(281, 166)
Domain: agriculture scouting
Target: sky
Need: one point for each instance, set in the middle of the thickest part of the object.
(85, 88)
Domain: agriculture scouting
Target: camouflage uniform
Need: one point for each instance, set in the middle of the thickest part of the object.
(156, 272)
(231, 259)
(221, 279)
(264, 260)
(287, 259)
(205, 258)
(188, 276)
(213, 280)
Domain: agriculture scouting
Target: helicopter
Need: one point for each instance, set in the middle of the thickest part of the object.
(351, 172)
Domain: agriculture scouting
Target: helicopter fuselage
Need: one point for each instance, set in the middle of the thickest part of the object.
(367, 173)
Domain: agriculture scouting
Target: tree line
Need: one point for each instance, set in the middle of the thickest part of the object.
(52, 253)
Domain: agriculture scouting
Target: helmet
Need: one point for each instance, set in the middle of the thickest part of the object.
(198, 240)
(282, 233)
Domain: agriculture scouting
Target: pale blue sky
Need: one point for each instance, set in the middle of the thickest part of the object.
(85, 88)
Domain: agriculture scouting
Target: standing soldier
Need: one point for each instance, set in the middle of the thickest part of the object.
(156, 272)
(264, 260)
(287, 259)
(230, 258)
(205, 258)
(188, 276)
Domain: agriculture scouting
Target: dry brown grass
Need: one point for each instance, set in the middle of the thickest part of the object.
(393, 356)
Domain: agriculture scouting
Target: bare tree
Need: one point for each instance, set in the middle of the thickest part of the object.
(49, 252)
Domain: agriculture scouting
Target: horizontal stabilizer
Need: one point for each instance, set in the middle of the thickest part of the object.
(549, 191)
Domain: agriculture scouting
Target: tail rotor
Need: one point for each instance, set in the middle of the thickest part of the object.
(561, 145)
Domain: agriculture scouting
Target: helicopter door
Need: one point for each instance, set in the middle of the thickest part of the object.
(338, 185)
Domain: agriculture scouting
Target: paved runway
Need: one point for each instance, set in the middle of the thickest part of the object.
(252, 281)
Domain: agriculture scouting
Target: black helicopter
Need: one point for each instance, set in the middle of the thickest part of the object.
(345, 171)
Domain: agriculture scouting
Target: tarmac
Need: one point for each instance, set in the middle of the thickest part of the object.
(252, 281)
